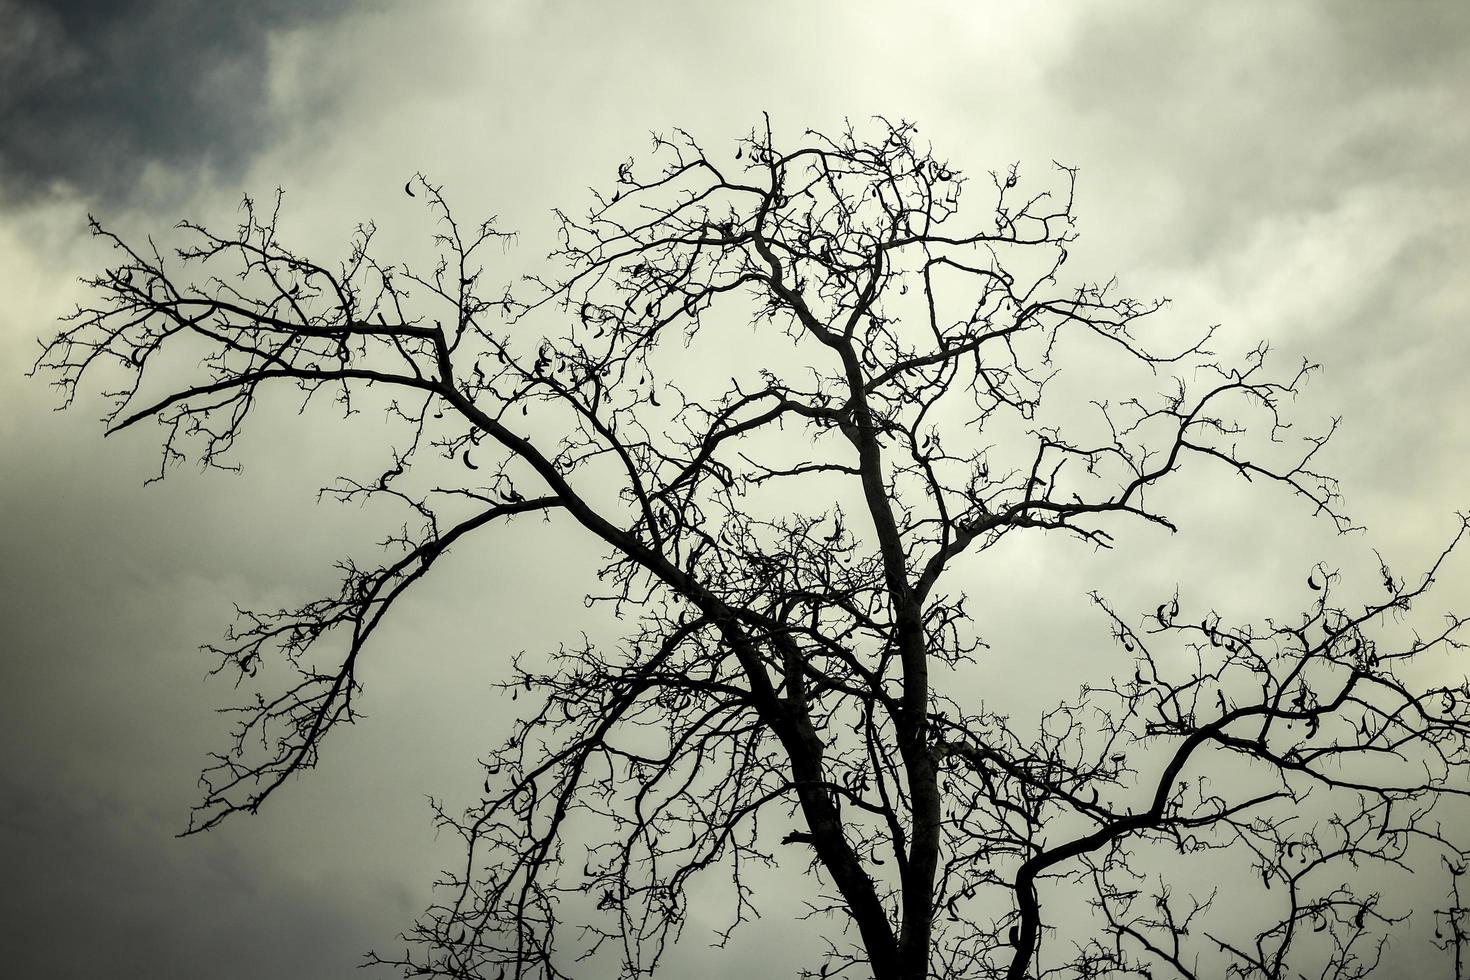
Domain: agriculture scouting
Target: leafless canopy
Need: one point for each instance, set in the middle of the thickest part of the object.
(790, 390)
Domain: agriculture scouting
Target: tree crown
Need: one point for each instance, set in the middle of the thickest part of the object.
(789, 392)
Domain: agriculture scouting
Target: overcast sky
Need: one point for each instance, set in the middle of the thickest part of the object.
(1295, 172)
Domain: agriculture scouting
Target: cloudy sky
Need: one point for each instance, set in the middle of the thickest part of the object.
(1294, 172)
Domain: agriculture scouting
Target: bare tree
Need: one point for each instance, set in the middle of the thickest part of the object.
(787, 391)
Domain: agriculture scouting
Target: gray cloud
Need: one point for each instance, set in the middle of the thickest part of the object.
(1231, 116)
(1223, 144)
(94, 93)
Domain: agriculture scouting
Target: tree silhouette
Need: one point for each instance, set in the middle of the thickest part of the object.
(787, 391)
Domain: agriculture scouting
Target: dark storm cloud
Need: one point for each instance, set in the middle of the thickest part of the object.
(93, 92)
